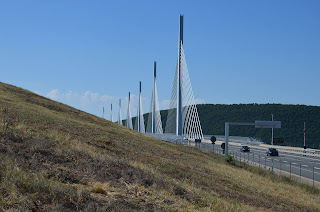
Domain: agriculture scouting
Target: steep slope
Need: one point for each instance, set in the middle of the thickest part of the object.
(54, 157)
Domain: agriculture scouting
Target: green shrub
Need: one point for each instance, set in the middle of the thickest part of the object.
(229, 159)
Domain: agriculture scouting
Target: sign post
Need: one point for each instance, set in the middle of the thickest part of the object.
(304, 136)
(226, 149)
(272, 130)
(304, 140)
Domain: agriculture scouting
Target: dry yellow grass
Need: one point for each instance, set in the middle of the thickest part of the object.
(54, 157)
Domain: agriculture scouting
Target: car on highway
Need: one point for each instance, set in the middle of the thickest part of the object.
(272, 152)
(244, 149)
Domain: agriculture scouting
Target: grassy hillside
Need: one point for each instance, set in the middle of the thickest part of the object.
(54, 157)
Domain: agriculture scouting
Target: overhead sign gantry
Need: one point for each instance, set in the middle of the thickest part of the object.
(257, 124)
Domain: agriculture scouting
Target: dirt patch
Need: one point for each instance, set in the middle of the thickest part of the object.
(73, 166)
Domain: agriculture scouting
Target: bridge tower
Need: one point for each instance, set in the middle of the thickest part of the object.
(154, 118)
(183, 118)
(139, 125)
(119, 113)
(129, 120)
(179, 82)
(111, 119)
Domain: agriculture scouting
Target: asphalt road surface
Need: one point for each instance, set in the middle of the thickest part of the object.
(297, 164)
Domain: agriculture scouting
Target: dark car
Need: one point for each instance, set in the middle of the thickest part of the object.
(244, 149)
(272, 152)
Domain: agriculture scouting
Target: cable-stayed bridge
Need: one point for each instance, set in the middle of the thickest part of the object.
(183, 119)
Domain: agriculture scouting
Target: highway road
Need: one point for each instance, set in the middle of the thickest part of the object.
(290, 160)
(295, 163)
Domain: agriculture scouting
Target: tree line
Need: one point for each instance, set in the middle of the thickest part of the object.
(292, 117)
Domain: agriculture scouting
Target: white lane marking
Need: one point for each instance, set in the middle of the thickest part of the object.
(292, 156)
(264, 149)
(263, 158)
(314, 162)
(303, 158)
(297, 167)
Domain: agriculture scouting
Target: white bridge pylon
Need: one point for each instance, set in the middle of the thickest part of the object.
(119, 113)
(183, 119)
(154, 119)
(129, 119)
(139, 124)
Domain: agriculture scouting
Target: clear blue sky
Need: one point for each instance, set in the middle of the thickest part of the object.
(91, 53)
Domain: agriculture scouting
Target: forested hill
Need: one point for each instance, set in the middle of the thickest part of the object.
(213, 117)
